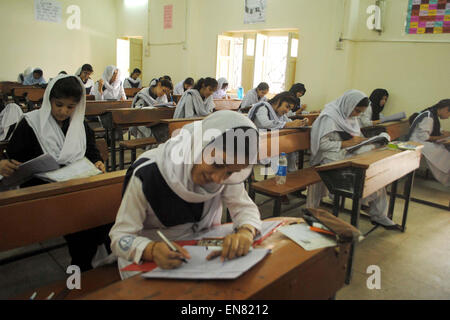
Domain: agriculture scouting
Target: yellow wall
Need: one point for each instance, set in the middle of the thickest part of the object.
(51, 46)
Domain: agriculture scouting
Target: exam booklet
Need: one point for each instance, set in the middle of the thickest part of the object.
(393, 117)
(382, 138)
(82, 168)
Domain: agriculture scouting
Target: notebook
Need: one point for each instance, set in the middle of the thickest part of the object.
(382, 138)
(393, 117)
(199, 268)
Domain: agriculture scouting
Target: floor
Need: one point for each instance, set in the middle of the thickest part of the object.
(413, 265)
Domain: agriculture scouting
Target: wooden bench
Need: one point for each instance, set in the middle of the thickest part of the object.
(133, 145)
(227, 104)
(175, 124)
(30, 95)
(395, 129)
(96, 108)
(93, 202)
(131, 92)
(6, 90)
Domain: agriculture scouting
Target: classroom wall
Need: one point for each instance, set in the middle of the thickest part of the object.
(53, 47)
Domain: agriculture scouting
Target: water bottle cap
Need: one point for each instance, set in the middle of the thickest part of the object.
(283, 154)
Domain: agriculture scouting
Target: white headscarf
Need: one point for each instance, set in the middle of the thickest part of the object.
(189, 146)
(251, 98)
(335, 117)
(201, 107)
(179, 88)
(10, 115)
(115, 87)
(30, 80)
(220, 93)
(65, 149)
(25, 74)
(271, 113)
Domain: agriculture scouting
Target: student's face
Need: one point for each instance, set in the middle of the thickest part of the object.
(135, 75)
(84, 75)
(187, 87)
(383, 101)
(283, 108)
(62, 109)
(444, 113)
(36, 75)
(204, 173)
(114, 77)
(261, 93)
(357, 111)
(207, 91)
(300, 94)
(160, 90)
(225, 86)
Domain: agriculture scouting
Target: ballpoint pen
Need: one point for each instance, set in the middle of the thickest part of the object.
(169, 244)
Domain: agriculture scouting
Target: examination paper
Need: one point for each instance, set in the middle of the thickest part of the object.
(307, 239)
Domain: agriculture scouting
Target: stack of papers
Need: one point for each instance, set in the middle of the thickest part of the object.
(80, 169)
(307, 239)
(200, 268)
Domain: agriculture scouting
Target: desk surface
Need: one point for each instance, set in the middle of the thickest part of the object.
(289, 272)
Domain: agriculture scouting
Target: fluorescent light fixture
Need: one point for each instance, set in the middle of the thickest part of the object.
(135, 3)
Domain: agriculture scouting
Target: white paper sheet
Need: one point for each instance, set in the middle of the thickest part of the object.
(200, 268)
(393, 117)
(79, 169)
(307, 239)
(382, 137)
(48, 10)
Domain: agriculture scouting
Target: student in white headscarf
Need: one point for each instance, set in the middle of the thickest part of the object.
(35, 78)
(84, 73)
(183, 86)
(334, 130)
(133, 80)
(255, 95)
(180, 187)
(426, 129)
(58, 129)
(9, 116)
(109, 87)
(149, 98)
(198, 101)
(26, 73)
(221, 92)
(372, 115)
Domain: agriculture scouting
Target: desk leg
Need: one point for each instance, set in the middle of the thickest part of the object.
(277, 207)
(392, 200)
(113, 149)
(336, 204)
(301, 158)
(408, 187)
(355, 222)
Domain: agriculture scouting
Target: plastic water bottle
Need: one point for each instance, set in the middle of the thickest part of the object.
(282, 169)
(240, 93)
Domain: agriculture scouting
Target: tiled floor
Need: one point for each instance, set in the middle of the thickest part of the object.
(414, 264)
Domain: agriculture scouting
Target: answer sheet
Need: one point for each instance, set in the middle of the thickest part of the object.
(307, 239)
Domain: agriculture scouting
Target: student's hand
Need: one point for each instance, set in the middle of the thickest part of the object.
(375, 122)
(295, 123)
(353, 141)
(122, 99)
(100, 85)
(165, 258)
(7, 167)
(234, 245)
(100, 166)
(303, 107)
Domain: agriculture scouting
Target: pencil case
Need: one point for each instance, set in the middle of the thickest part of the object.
(343, 231)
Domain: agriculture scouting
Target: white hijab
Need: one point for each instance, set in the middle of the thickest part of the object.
(145, 95)
(201, 107)
(188, 146)
(30, 80)
(220, 93)
(10, 115)
(65, 149)
(179, 88)
(271, 112)
(25, 74)
(335, 117)
(114, 87)
(251, 98)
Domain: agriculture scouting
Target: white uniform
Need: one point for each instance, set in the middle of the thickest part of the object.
(111, 91)
(251, 98)
(192, 105)
(131, 83)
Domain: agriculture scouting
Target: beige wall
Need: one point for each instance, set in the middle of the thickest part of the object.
(53, 47)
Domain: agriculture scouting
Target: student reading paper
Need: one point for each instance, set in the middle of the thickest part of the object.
(35, 78)
(372, 115)
(328, 143)
(298, 90)
(180, 187)
(58, 129)
(183, 86)
(198, 101)
(109, 87)
(221, 92)
(255, 95)
(133, 80)
(84, 73)
(426, 129)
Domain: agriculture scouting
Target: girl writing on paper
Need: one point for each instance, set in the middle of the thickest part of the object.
(109, 87)
(183, 86)
(221, 92)
(426, 129)
(84, 73)
(58, 129)
(334, 130)
(298, 90)
(35, 78)
(133, 80)
(180, 187)
(255, 95)
(371, 116)
(198, 101)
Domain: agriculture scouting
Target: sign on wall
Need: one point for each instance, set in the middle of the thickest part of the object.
(428, 16)
(48, 10)
(255, 11)
(168, 16)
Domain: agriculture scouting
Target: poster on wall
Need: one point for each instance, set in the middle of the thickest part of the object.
(168, 16)
(255, 11)
(428, 16)
(48, 10)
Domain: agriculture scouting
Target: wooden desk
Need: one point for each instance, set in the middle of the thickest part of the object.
(131, 92)
(395, 129)
(310, 116)
(96, 108)
(174, 124)
(7, 86)
(289, 272)
(227, 104)
(362, 175)
(115, 119)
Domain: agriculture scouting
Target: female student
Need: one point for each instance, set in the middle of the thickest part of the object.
(179, 188)
(272, 115)
(9, 116)
(84, 73)
(109, 87)
(221, 92)
(426, 129)
(298, 90)
(148, 98)
(22, 76)
(35, 78)
(334, 130)
(58, 129)
(255, 95)
(133, 80)
(198, 101)
(371, 116)
(183, 86)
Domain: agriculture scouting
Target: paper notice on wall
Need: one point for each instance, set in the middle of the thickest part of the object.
(168, 16)
(255, 11)
(48, 10)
